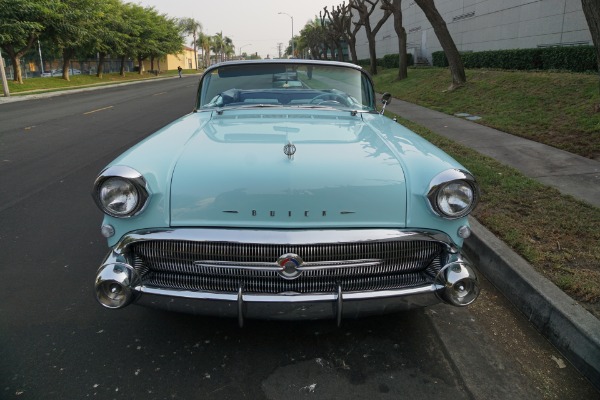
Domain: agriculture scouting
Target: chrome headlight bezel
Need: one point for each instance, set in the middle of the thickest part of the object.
(455, 181)
(130, 177)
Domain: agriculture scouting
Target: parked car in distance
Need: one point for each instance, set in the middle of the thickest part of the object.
(58, 72)
(272, 202)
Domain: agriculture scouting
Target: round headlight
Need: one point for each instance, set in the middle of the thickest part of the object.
(455, 198)
(453, 194)
(120, 192)
(118, 196)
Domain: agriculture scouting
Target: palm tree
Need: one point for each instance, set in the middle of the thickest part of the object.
(192, 27)
(204, 42)
(217, 45)
(228, 47)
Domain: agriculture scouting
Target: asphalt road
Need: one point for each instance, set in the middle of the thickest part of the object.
(56, 342)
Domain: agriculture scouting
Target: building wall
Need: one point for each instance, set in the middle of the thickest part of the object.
(477, 25)
(185, 59)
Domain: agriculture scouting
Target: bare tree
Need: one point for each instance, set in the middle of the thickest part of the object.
(344, 12)
(591, 9)
(365, 8)
(395, 7)
(441, 31)
(334, 32)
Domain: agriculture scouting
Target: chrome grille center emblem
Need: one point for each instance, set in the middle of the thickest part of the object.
(289, 150)
(291, 266)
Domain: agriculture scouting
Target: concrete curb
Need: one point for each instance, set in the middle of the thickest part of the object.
(568, 326)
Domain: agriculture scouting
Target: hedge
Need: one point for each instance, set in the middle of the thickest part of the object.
(388, 61)
(572, 58)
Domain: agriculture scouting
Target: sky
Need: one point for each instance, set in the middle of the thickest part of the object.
(253, 25)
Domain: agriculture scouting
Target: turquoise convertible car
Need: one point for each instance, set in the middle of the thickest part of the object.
(285, 194)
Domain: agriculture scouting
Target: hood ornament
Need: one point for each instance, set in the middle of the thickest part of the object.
(289, 149)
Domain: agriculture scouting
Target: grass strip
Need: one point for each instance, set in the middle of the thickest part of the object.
(557, 234)
(40, 85)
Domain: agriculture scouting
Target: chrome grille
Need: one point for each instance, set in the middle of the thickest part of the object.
(175, 264)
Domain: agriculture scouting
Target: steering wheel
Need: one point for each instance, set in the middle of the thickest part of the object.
(331, 99)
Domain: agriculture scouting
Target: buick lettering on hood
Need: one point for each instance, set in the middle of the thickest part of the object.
(285, 194)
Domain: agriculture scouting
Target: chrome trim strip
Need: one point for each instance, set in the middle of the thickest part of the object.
(287, 297)
(283, 236)
(306, 266)
(339, 308)
(240, 302)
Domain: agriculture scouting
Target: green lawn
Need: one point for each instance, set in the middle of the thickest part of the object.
(558, 109)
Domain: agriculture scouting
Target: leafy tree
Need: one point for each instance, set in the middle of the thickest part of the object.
(143, 40)
(22, 22)
(312, 38)
(441, 31)
(365, 8)
(167, 38)
(395, 7)
(72, 26)
(109, 33)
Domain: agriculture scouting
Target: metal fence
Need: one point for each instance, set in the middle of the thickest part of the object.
(31, 68)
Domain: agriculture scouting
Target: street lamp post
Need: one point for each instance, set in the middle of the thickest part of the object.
(292, 30)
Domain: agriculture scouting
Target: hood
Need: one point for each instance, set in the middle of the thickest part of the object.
(234, 172)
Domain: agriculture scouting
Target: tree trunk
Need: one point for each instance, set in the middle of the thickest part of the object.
(100, 71)
(372, 53)
(396, 10)
(340, 51)
(403, 63)
(140, 61)
(15, 59)
(122, 69)
(352, 48)
(591, 9)
(441, 31)
(67, 55)
(16, 64)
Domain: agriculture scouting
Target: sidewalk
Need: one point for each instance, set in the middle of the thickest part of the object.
(566, 324)
(569, 173)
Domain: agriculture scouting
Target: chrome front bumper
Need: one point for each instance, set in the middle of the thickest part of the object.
(118, 284)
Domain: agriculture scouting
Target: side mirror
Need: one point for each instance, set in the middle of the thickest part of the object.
(385, 100)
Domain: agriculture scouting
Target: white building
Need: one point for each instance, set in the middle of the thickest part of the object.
(478, 25)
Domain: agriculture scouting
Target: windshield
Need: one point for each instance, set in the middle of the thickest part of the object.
(298, 85)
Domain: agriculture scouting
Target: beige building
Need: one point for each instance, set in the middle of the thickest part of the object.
(185, 59)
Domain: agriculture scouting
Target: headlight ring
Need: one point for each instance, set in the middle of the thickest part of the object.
(121, 192)
(453, 194)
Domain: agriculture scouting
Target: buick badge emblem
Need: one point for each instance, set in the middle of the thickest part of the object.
(290, 264)
(289, 150)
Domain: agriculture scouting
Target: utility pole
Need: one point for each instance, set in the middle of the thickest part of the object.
(3, 75)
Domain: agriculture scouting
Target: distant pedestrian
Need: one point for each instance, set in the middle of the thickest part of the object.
(179, 70)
